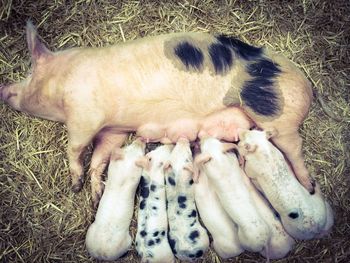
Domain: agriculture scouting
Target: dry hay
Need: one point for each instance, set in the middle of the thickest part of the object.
(41, 220)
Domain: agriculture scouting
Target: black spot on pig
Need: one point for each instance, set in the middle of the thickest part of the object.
(143, 182)
(143, 233)
(142, 204)
(193, 213)
(259, 93)
(154, 207)
(163, 233)
(193, 223)
(144, 192)
(263, 68)
(189, 55)
(242, 49)
(194, 235)
(150, 243)
(293, 215)
(199, 253)
(153, 187)
(221, 58)
(158, 240)
(172, 244)
(171, 181)
(191, 255)
(155, 233)
(191, 182)
(181, 199)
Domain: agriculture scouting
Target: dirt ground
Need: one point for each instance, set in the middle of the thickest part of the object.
(41, 220)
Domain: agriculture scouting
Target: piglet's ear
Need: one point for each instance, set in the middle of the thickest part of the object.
(117, 154)
(202, 159)
(228, 147)
(271, 133)
(249, 147)
(143, 162)
(167, 167)
(189, 167)
(37, 49)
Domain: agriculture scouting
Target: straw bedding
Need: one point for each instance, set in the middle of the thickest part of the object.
(41, 220)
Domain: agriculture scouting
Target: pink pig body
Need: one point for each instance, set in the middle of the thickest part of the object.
(101, 94)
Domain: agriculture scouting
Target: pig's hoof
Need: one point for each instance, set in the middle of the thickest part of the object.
(96, 200)
(76, 187)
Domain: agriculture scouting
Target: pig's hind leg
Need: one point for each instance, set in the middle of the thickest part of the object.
(104, 143)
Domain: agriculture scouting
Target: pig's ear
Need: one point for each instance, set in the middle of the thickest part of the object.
(249, 147)
(227, 146)
(167, 167)
(37, 49)
(143, 162)
(202, 159)
(117, 154)
(189, 167)
(271, 133)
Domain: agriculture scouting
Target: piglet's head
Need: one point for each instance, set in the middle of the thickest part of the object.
(251, 140)
(27, 90)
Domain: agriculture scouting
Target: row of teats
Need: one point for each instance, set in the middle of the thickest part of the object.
(250, 201)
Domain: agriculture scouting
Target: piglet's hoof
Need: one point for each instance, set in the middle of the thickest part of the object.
(76, 187)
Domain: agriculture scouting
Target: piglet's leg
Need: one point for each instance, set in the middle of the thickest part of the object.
(104, 143)
(291, 145)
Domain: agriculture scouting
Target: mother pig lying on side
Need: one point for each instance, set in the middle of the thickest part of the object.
(101, 94)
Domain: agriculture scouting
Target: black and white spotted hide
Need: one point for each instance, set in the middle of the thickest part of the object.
(152, 224)
(187, 238)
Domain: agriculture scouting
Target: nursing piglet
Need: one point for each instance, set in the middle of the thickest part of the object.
(152, 223)
(221, 227)
(187, 238)
(280, 242)
(303, 214)
(108, 236)
(226, 177)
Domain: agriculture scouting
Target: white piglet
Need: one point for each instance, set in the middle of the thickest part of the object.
(303, 215)
(152, 223)
(108, 236)
(221, 227)
(187, 238)
(280, 242)
(226, 177)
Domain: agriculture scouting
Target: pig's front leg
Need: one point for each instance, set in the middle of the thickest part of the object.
(104, 143)
(79, 136)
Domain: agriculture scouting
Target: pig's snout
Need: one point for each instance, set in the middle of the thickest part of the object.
(9, 94)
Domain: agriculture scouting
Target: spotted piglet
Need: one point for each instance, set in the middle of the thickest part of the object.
(108, 236)
(152, 223)
(221, 227)
(187, 238)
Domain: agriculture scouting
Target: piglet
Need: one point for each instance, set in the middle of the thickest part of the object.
(222, 229)
(108, 236)
(187, 238)
(303, 214)
(280, 242)
(152, 223)
(226, 177)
